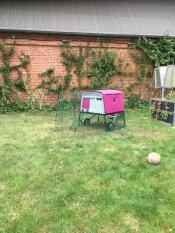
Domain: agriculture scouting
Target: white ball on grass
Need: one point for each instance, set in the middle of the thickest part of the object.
(154, 158)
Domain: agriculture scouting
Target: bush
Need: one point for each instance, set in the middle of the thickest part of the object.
(21, 106)
(171, 95)
(18, 106)
(135, 101)
(102, 69)
(160, 51)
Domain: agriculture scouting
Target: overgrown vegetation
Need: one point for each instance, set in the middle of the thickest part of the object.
(12, 80)
(102, 68)
(136, 101)
(171, 95)
(74, 60)
(144, 66)
(86, 67)
(98, 64)
(123, 67)
(50, 84)
(144, 70)
(161, 51)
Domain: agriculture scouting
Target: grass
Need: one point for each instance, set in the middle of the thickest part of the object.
(53, 182)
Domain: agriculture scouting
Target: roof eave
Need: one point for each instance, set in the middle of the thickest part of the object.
(88, 34)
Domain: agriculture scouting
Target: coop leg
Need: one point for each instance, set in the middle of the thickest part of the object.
(79, 119)
(124, 119)
(98, 117)
(105, 119)
(173, 124)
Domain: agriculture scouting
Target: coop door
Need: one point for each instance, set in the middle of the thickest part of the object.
(114, 103)
(96, 105)
(86, 103)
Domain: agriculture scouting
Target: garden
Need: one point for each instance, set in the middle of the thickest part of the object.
(54, 180)
(102, 183)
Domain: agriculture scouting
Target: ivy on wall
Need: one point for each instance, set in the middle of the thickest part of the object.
(97, 64)
(51, 84)
(101, 64)
(124, 67)
(74, 60)
(11, 81)
(144, 66)
(161, 51)
(101, 68)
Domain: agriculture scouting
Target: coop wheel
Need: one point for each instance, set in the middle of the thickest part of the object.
(87, 121)
(110, 126)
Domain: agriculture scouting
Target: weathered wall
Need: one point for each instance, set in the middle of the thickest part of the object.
(44, 52)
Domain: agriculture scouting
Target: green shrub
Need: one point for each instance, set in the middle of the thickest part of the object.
(171, 95)
(18, 106)
(160, 51)
(135, 101)
(102, 68)
(23, 106)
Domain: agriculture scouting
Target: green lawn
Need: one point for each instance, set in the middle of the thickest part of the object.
(53, 182)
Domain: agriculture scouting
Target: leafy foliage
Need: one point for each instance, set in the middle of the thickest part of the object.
(171, 95)
(50, 83)
(160, 51)
(74, 61)
(135, 101)
(11, 74)
(96, 63)
(102, 68)
(17, 106)
(144, 65)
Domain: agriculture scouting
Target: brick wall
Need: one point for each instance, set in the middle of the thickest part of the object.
(44, 52)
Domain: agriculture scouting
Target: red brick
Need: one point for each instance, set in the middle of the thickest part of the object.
(44, 52)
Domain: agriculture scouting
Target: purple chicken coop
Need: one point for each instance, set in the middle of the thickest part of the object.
(106, 103)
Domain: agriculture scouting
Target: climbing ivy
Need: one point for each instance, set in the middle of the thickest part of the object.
(161, 51)
(50, 83)
(74, 60)
(11, 80)
(123, 67)
(144, 65)
(98, 64)
(102, 68)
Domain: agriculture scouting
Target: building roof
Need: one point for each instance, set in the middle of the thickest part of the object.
(92, 17)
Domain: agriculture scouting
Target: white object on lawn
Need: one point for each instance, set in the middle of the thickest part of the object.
(154, 158)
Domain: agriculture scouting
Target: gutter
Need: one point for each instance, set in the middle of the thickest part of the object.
(79, 34)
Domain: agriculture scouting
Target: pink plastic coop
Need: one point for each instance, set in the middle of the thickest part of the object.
(102, 102)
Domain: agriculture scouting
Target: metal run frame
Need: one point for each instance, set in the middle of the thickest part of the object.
(109, 124)
(64, 105)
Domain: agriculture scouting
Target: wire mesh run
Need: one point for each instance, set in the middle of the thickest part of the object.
(70, 120)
